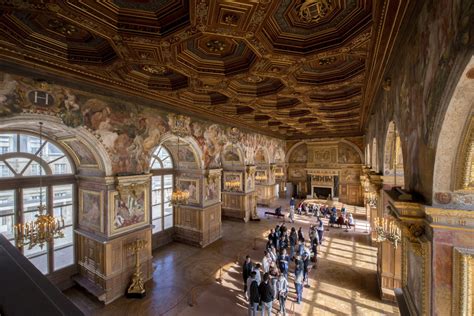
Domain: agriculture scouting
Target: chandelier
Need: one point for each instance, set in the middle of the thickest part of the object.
(179, 197)
(279, 173)
(45, 227)
(314, 10)
(387, 230)
(233, 184)
(261, 177)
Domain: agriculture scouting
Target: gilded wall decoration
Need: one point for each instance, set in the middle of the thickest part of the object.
(321, 155)
(463, 277)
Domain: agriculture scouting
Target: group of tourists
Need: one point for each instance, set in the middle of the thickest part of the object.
(268, 280)
(336, 217)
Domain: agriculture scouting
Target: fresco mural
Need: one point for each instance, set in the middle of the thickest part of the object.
(90, 209)
(192, 187)
(128, 208)
(129, 132)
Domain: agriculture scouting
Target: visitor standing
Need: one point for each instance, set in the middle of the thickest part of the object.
(246, 269)
(254, 295)
(282, 286)
(299, 266)
(266, 295)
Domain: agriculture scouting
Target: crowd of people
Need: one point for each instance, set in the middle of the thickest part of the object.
(336, 217)
(267, 280)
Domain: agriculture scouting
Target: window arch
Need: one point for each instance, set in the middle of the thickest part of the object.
(23, 158)
(161, 189)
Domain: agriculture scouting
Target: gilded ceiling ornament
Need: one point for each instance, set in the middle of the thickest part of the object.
(253, 79)
(215, 46)
(313, 10)
(61, 27)
(230, 19)
(155, 70)
(327, 61)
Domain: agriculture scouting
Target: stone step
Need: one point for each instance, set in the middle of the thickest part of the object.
(90, 286)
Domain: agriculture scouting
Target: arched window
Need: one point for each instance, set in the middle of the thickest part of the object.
(21, 158)
(161, 189)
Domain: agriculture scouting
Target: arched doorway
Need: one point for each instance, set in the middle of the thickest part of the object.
(23, 159)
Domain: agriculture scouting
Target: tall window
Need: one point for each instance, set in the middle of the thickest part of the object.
(20, 165)
(161, 190)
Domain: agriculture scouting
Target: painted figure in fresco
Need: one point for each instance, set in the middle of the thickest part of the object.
(71, 111)
(8, 96)
(214, 141)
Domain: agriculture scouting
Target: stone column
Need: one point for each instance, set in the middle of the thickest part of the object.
(113, 212)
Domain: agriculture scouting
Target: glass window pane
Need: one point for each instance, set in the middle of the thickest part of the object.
(62, 195)
(29, 144)
(17, 164)
(5, 171)
(33, 169)
(158, 225)
(168, 193)
(41, 263)
(7, 202)
(156, 164)
(64, 212)
(156, 211)
(156, 182)
(31, 198)
(61, 166)
(51, 152)
(167, 163)
(168, 221)
(63, 257)
(36, 250)
(163, 153)
(66, 240)
(155, 197)
(168, 181)
(168, 210)
(6, 226)
(8, 143)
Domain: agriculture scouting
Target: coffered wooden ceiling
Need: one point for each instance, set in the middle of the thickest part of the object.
(289, 68)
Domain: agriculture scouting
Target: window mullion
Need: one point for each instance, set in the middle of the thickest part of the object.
(163, 202)
(50, 211)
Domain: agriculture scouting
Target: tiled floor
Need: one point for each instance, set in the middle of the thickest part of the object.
(191, 281)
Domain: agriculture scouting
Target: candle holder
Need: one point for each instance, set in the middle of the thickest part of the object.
(387, 230)
(136, 288)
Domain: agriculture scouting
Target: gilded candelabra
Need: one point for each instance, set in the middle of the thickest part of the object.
(387, 230)
(136, 288)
